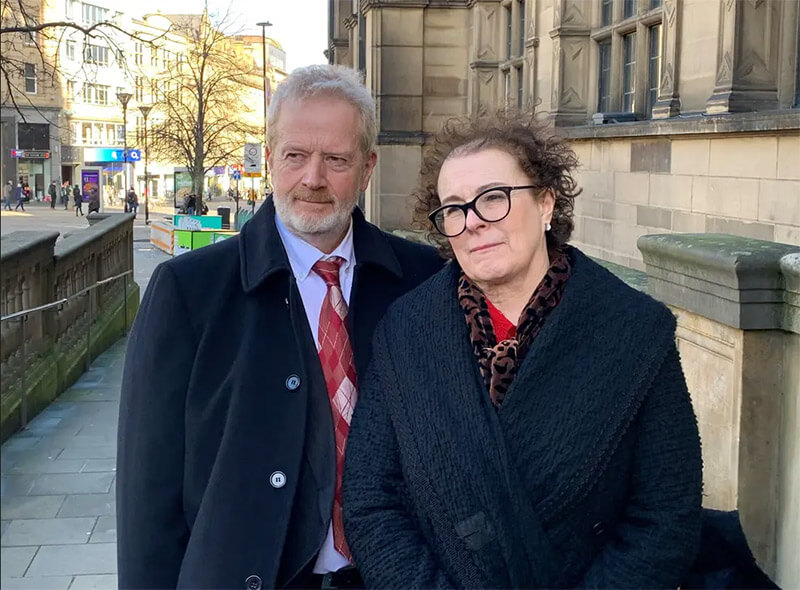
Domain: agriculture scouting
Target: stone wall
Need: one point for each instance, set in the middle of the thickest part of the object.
(43, 352)
(737, 302)
(689, 179)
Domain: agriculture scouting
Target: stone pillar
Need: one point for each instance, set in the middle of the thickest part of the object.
(747, 57)
(484, 58)
(728, 295)
(669, 102)
(569, 99)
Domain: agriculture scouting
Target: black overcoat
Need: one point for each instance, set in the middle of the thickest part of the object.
(590, 473)
(214, 408)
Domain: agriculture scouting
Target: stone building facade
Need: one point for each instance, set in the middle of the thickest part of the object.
(684, 113)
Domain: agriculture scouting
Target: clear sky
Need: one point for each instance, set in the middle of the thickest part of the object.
(300, 26)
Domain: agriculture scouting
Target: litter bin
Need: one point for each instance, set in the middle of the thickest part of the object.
(225, 213)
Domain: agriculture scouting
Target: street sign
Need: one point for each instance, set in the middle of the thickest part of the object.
(236, 175)
(252, 174)
(134, 155)
(41, 154)
(252, 157)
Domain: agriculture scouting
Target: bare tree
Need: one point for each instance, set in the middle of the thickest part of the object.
(28, 39)
(202, 106)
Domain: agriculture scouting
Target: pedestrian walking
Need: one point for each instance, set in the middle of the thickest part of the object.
(65, 194)
(78, 200)
(52, 192)
(20, 198)
(234, 481)
(131, 202)
(8, 190)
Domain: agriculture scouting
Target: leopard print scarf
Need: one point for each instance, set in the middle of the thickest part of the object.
(499, 361)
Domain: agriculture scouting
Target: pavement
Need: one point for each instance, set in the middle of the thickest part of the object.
(57, 477)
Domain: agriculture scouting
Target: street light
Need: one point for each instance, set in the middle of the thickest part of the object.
(123, 98)
(145, 110)
(264, 26)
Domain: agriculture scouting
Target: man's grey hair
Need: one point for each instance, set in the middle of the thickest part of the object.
(326, 80)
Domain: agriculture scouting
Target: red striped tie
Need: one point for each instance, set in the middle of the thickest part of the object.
(336, 358)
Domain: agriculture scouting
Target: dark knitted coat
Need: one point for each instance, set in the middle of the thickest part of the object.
(589, 474)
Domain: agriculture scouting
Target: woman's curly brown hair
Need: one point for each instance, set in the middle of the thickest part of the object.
(543, 156)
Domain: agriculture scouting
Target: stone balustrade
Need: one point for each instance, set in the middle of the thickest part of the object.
(737, 301)
(45, 352)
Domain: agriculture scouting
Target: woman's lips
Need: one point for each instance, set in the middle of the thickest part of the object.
(483, 247)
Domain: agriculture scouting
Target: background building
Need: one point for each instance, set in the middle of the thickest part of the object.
(684, 113)
(30, 139)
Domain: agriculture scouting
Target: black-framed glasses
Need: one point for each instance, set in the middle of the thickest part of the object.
(492, 204)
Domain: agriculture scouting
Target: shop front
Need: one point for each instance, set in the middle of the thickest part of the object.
(33, 171)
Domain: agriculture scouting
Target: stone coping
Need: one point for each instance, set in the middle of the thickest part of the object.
(20, 242)
(730, 279)
(700, 124)
(76, 241)
(790, 267)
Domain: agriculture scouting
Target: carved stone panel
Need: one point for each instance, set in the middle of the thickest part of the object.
(747, 57)
(669, 102)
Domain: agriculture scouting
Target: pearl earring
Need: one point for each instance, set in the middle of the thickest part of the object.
(547, 227)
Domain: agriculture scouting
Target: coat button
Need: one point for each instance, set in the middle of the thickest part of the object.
(598, 528)
(277, 479)
(253, 583)
(292, 382)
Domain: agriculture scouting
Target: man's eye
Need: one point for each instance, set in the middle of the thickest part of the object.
(293, 156)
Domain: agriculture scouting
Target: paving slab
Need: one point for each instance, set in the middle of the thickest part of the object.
(71, 483)
(88, 505)
(38, 583)
(31, 506)
(105, 531)
(15, 561)
(74, 560)
(42, 531)
(108, 582)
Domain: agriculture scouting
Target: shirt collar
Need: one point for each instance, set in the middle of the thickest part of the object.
(302, 255)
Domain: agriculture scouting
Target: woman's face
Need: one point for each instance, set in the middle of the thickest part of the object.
(493, 254)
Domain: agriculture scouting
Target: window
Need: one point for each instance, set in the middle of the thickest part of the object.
(629, 73)
(519, 86)
(154, 57)
(70, 90)
(604, 90)
(605, 12)
(139, 89)
(33, 136)
(93, 14)
(625, 83)
(119, 56)
(654, 65)
(95, 54)
(628, 8)
(521, 28)
(509, 33)
(138, 52)
(30, 38)
(30, 78)
(71, 50)
(86, 133)
(95, 94)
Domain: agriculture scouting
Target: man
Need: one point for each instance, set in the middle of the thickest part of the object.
(77, 198)
(20, 198)
(241, 376)
(65, 190)
(52, 192)
(8, 190)
(132, 202)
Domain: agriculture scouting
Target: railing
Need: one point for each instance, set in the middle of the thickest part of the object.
(61, 303)
(59, 307)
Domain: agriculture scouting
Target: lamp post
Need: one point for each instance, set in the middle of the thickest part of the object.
(123, 98)
(145, 110)
(264, 26)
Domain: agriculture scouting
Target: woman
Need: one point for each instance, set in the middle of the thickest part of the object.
(525, 421)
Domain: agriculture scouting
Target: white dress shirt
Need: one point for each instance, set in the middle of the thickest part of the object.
(302, 256)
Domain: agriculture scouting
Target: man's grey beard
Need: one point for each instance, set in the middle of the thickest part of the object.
(337, 220)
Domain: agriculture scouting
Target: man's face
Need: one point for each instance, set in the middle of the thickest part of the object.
(317, 166)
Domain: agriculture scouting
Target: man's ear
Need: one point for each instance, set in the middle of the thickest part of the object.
(369, 168)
